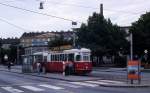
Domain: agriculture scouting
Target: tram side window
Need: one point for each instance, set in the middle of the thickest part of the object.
(52, 57)
(61, 57)
(65, 57)
(78, 57)
(55, 58)
(70, 57)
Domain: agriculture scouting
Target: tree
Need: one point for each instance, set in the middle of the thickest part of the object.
(101, 36)
(59, 41)
(0, 50)
(141, 34)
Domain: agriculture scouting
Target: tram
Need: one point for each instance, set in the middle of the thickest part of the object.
(77, 59)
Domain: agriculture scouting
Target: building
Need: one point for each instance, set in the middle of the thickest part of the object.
(38, 41)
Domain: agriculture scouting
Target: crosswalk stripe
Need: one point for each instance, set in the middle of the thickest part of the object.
(32, 88)
(69, 85)
(12, 90)
(51, 86)
(97, 82)
(110, 81)
(85, 84)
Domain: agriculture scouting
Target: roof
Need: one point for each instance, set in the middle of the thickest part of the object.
(32, 34)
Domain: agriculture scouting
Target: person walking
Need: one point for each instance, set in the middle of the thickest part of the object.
(38, 68)
(9, 66)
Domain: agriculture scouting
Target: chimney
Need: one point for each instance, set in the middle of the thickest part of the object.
(101, 9)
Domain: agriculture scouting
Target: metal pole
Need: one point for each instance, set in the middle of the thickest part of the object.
(131, 46)
(74, 42)
(131, 50)
(74, 34)
(17, 54)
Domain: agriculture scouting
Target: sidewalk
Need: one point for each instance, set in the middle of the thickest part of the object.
(71, 78)
(58, 76)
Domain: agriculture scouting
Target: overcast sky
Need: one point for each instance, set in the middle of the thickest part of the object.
(121, 12)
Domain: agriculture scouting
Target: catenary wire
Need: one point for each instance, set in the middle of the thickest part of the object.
(45, 14)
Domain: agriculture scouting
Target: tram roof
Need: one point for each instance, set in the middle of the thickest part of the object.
(43, 53)
(77, 50)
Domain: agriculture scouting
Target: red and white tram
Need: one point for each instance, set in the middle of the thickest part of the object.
(78, 59)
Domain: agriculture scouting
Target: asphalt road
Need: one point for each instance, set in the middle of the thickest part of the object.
(20, 83)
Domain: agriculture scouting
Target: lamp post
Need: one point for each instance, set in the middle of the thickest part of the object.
(131, 46)
(145, 56)
(6, 57)
(74, 35)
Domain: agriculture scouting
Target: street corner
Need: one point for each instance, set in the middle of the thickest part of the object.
(117, 84)
(124, 85)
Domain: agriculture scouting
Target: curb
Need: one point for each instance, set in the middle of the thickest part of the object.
(102, 85)
(46, 76)
(38, 75)
(124, 86)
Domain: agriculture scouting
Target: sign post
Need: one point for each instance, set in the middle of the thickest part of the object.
(134, 71)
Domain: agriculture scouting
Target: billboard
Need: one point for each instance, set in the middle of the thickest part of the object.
(134, 70)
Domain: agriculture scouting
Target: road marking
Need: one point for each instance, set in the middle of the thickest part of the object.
(69, 85)
(97, 82)
(51, 86)
(32, 88)
(110, 81)
(85, 84)
(12, 90)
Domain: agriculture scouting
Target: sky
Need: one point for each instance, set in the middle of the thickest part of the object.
(14, 22)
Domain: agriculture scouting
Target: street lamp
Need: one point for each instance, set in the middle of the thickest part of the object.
(5, 57)
(146, 56)
(131, 46)
(145, 51)
(74, 35)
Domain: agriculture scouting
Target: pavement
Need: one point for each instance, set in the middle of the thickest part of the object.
(59, 76)
(98, 72)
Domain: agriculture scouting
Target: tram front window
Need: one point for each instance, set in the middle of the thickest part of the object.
(86, 58)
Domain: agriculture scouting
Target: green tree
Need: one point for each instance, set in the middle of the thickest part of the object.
(59, 41)
(0, 50)
(101, 36)
(141, 34)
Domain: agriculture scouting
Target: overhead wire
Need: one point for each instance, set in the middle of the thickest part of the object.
(12, 24)
(83, 6)
(45, 14)
(89, 7)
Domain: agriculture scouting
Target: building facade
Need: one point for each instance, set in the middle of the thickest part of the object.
(38, 41)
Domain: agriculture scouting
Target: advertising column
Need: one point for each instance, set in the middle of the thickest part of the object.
(134, 71)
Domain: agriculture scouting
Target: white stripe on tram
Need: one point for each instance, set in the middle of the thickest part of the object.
(32, 88)
(12, 90)
(85, 84)
(51, 86)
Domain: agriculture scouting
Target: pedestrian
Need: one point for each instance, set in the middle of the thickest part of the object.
(9, 66)
(70, 68)
(38, 68)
